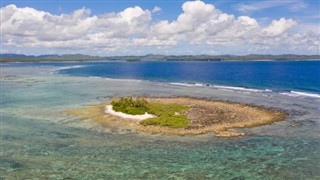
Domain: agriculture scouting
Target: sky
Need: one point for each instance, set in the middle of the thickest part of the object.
(169, 27)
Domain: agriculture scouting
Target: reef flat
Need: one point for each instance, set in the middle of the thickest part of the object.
(204, 116)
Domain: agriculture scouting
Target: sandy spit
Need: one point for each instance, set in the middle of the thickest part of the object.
(109, 110)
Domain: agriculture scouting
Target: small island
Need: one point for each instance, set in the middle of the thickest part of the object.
(180, 115)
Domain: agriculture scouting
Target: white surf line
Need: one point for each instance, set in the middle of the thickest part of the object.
(238, 88)
(109, 110)
(69, 67)
(66, 67)
(299, 94)
(190, 84)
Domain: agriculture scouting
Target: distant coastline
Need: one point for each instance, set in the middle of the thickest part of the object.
(151, 57)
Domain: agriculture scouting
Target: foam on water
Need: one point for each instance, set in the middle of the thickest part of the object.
(301, 94)
(234, 88)
(56, 70)
(220, 87)
(189, 84)
(240, 88)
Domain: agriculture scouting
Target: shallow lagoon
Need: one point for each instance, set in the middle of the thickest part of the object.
(38, 140)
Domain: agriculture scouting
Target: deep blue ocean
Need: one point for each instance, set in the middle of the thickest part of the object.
(278, 76)
(282, 76)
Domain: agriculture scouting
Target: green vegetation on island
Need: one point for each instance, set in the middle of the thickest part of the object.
(131, 106)
(166, 114)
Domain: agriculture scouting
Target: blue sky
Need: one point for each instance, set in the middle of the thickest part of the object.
(273, 27)
(306, 11)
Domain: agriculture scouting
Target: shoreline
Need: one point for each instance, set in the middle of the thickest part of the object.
(206, 116)
(109, 110)
(4, 60)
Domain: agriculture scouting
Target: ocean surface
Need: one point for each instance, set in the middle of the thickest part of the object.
(273, 75)
(40, 141)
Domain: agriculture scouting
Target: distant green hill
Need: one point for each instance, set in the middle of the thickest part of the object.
(51, 57)
(152, 57)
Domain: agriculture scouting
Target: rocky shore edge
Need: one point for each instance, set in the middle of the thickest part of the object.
(205, 116)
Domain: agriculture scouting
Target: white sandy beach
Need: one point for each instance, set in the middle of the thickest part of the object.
(109, 110)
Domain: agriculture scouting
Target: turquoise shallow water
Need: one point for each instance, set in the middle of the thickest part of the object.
(39, 141)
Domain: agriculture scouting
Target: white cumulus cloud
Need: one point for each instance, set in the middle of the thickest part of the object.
(156, 9)
(133, 30)
(278, 27)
